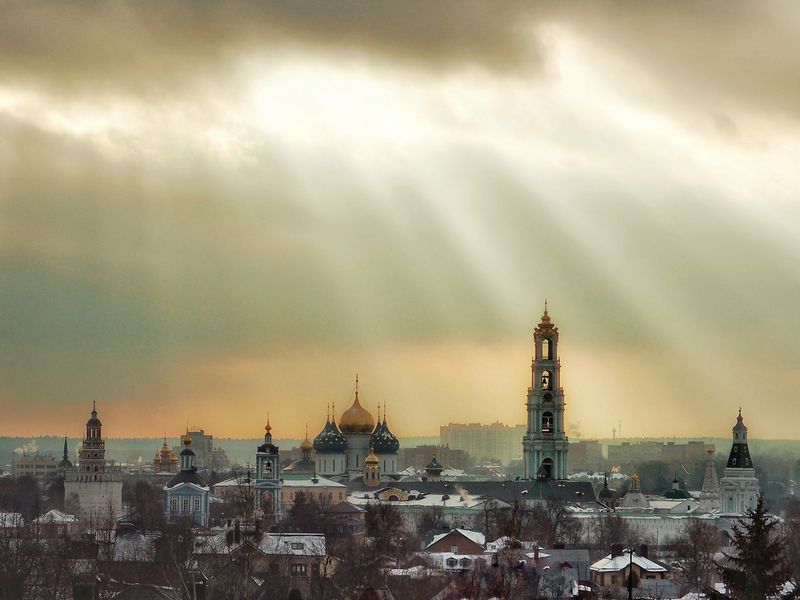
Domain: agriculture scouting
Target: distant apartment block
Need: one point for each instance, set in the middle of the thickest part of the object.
(627, 454)
(495, 442)
(585, 455)
(207, 456)
(419, 456)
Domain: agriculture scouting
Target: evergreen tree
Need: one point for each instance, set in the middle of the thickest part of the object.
(757, 568)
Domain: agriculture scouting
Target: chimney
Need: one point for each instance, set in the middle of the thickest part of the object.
(616, 550)
(643, 549)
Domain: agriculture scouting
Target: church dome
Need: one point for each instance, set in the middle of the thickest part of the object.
(93, 420)
(675, 492)
(371, 459)
(306, 444)
(330, 440)
(434, 467)
(356, 419)
(187, 441)
(384, 441)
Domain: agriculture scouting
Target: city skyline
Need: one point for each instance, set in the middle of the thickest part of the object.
(235, 214)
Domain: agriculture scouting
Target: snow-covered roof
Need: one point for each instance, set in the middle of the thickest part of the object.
(689, 504)
(313, 482)
(55, 517)
(137, 547)
(616, 564)
(10, 519)
(504, 541)
(474, 536)
(426, 500)
(294, 544)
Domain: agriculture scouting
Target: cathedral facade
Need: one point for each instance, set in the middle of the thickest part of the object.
(93, 488)
(340, 450)
(186, 493)
(545, 444)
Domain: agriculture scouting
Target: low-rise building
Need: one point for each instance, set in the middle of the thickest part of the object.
(613, 570)
(56, 524)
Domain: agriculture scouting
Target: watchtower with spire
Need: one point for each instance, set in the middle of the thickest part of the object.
(545, 444)
(93, 488)
(739, 486)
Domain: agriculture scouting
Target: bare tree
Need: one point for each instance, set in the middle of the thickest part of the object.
(791, 532)
(20, 549)
(554, 523)
(174, 557)
(695, 548)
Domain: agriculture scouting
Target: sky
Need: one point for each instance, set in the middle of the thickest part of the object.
(211, 211)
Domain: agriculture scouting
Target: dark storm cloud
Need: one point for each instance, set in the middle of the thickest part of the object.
(718, 55)
(151, 43)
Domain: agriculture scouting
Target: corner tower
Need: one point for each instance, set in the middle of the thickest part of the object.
(739, 486)
(545, 444)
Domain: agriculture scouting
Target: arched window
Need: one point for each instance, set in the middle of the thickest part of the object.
(547, 349)
(267, 471)
(546, 470)
(546, 381)
(547, 422)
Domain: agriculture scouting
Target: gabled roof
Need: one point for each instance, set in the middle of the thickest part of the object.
(616, 564)
(473, 536)
(345, 507)
(55, 517)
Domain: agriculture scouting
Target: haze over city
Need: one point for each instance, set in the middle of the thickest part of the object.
(210, 212)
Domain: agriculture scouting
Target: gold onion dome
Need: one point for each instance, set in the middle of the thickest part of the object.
(356, 419)
(371, 459)
(306, 443)
(187, 441)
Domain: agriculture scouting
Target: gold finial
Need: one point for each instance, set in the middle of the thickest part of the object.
(268, 427)
(333, 412)
(306, 430)
(384, 413)
(545, 306)
(379, 412)
(187, 439)
(356, 387)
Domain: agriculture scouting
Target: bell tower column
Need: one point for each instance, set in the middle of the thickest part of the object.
(545, 444)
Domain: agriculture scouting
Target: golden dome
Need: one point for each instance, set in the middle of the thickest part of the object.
(356, 419)
(371, 459)
(172, 457)
(306, 443)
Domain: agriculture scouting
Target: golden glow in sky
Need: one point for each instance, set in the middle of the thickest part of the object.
(234, 214)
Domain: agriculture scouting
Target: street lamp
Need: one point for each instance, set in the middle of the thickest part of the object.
(630, 572)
